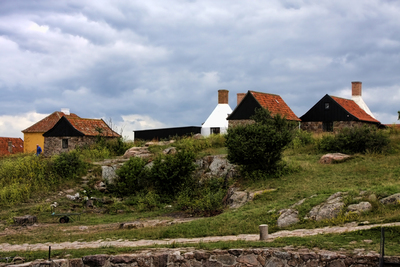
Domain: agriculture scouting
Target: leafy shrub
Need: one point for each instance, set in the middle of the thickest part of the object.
(259, 146)
(170, 174)
(301, 138)
(147, 202)
(68, 165)
(355, 140)
(203, 198)
(132, 177)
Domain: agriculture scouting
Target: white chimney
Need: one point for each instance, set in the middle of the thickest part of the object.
(65, 111)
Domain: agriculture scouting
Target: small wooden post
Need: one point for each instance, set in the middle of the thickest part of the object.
(263, 231)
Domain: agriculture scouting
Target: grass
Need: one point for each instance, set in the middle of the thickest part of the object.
(368, 240)
(376, 174)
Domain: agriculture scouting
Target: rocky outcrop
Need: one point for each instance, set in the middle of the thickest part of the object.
(360, 207)
(288, 217)
(142, 152)
(391, 200)
(329, 209)
(266, 257)
(333, 158)
(236, 198)
(25, 220)
(215, 166)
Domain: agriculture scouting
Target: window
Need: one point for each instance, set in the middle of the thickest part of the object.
(326, 105)
(215, 130)
(327, 126)
(65, 143)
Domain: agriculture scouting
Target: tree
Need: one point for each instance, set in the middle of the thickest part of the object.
(259, 146)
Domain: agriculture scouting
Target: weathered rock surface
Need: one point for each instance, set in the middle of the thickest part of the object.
(142, 152)
(288, 217)
(333, 158)
(391, 200)
(169, 151)
(360, 207)
(215, 166)
(329, 209)
(109, 172)
(25, 220)
(236, 198)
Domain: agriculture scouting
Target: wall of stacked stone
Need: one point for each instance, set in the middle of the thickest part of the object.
(53, 145)
(316, 126)
(268, 257)
(233, 123)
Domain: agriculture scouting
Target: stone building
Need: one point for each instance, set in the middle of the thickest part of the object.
(33, 135)
(332, 113)
(71, 132)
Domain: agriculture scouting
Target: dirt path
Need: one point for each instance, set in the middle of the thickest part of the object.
(139, 243)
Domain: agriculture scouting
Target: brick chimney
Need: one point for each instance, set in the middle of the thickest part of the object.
(223, 96)
(10, 147)
(240, 97)
(356, 88)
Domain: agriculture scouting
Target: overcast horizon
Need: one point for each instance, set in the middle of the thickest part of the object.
(156, 64)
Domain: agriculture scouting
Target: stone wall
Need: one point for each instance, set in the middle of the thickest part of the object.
(233, 123)
(186, 257)
(53, 145)
(316, 126)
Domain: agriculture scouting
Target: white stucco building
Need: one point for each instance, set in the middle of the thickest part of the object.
(217, 123)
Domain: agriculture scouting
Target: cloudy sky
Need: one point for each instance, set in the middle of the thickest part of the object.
(153, 64)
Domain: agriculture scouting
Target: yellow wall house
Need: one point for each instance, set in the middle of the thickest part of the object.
(34, 134)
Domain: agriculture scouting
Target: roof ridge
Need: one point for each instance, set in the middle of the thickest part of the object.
(264, 93)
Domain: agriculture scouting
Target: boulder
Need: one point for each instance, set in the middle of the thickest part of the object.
(391, 200)
(360, 207)
(288, 217)
(142, 152)
(108, 172)
(169, 151)
(333, 158)
(215, 166)
(25, 220)
(236, 198)
(329, 209)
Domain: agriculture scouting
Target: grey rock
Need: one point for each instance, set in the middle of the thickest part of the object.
(288, 217)
(215, 166)
(391, 200)
(329, 209)
(137, 152)
(237, 198)
(169, 151)
(360, 207)
(109, 172)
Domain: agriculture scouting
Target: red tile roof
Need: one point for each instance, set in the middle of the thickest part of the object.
(275, 104)
(47, 123)
(354, 109)
(92, 127)
(17, 145)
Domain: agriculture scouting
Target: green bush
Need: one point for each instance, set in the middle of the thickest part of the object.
(133, 177)
(204, 198)
(170, 174)
(68, 165)
(259, 146)
(147, 202)
(356, 140)
(301, 138)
